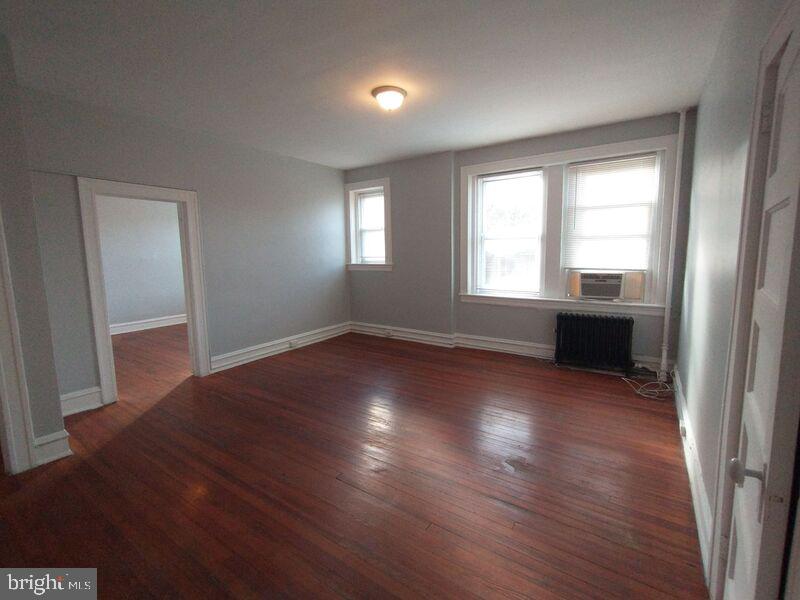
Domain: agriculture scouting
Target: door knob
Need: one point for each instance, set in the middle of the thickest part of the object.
(737, 472)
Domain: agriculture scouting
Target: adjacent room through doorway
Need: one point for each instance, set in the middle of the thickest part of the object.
(143, 273)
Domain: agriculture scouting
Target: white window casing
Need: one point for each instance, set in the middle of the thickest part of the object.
(369, 233)
(572, 181)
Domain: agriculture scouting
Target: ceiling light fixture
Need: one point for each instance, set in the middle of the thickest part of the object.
(390, 97)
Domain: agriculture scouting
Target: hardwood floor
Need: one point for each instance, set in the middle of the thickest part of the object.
(363, 467)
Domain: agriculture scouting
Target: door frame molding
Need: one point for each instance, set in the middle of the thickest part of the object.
(191, 257)
(746, 272)
(16, 424)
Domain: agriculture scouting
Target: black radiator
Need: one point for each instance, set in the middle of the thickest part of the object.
(595, 341)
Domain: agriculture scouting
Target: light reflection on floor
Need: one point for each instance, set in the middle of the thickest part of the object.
(380, 415)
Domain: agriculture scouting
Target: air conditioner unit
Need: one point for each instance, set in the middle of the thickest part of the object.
(607, 285)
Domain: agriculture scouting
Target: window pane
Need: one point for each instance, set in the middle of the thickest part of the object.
(609, 215)
(512, 205)
(373, 247)
(510, 266)
(371, 211)
(509, 220)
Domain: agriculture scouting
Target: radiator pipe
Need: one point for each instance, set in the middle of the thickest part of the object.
(676, 203)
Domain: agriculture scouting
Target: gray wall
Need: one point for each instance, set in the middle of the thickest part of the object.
(421, 291)
(141, 248)
(27, 279)
(272, 227)
(417, 293)
(723, 133)
(58, 220)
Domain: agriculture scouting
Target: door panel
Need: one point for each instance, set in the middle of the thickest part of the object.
(769, 412)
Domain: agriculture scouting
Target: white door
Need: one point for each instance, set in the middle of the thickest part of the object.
(763, 468)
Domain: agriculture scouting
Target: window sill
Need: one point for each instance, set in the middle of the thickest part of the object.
(369, 267)
(601, 306)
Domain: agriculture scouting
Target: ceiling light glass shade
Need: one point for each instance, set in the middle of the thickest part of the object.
(389, 97)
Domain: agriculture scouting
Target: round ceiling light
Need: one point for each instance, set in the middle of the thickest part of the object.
(390, 97)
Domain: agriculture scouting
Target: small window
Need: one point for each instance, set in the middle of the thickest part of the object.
(508, 215)
(368, 214)
(370, 227)
(611, 206)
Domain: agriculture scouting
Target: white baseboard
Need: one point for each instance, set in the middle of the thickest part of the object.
(447, 340)
(702, 506)
(118, 328)
(465, 340)
(81, 400)
(246, 355)
(403, 333)
(53, 446)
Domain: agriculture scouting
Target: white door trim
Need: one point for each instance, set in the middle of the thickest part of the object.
(194, 288)
(738, 350)
(16, 430)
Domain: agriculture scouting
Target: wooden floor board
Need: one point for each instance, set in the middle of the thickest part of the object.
(363, 467)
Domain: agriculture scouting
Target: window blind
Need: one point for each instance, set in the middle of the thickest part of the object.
(610, 211)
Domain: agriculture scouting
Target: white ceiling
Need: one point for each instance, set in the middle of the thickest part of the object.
(295, 76)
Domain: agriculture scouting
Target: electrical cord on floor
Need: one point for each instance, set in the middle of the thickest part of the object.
(651, 389)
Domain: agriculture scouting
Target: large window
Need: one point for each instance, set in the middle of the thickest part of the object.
(369, 240)
(509, 214)
(610, 209)
(530, 225)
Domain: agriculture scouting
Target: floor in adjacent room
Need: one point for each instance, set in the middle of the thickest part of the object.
(362, 466)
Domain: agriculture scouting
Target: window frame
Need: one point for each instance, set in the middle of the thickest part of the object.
(352, 192)
(553, 288)
(476, 247)
(652, 271)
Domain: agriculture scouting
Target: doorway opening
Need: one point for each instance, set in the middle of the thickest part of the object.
(145, 282)
(140, 247)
